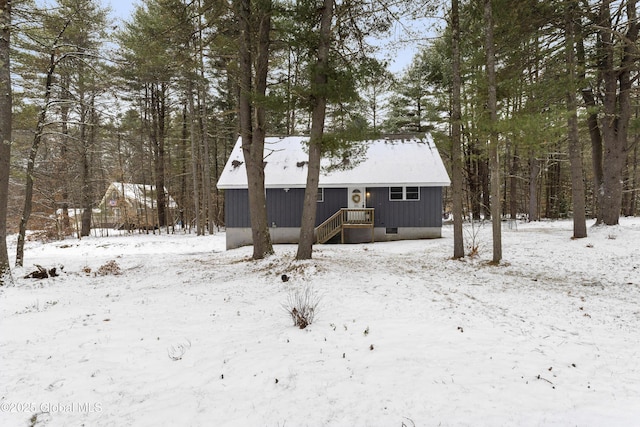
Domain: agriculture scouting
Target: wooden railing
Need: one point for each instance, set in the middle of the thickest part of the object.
(345, 218)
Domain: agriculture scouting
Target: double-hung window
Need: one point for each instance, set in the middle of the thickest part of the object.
(404, 193)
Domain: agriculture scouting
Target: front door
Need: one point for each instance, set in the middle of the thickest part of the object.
(357, 198)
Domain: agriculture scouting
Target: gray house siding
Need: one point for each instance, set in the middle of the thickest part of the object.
(236, 209)
(284, 208)
(334, 200)
(426, 212)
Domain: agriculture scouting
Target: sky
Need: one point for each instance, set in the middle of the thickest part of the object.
(399, 54)
(120, 9)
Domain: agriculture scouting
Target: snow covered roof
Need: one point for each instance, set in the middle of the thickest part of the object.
(141, 193)
(387, 162)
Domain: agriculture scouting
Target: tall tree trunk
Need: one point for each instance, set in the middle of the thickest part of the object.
(5, 134)
(534, 171)
(142, 214)
(631, 190)
(157, 137)
(596, 152)
(456, 135)
(575, 148)
(634, 180)
(592, 124)
(494, 161)
(194, 158)
(206, 170)
(87, 136)
(617, 105)
(205, 128)
(513, 183)
(183, 168)
(318, 114)
(473, 173)
(484, 177)
(254, 48)
(64, 161)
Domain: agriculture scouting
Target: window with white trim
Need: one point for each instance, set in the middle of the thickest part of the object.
(412, 193)
(396, 193)
(404, 193)
(320, 195)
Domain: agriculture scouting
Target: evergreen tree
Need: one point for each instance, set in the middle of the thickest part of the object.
(254, 22)
(456, 133)
(575, 151)
(5, 134)
(332, 41)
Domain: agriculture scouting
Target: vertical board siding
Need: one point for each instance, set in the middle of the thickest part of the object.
(426, 212)
(284, 208)
(236, 209)
(334, 200)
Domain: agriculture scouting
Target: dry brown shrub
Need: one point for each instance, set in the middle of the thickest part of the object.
(111, 268)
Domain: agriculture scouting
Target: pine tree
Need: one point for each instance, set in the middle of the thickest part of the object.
(494, 162)
(575, 151)
(617, 54)
(456, 134)
(319, 81)
(5, 134)
(254, 22)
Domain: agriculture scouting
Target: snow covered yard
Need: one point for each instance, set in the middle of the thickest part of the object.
(191, 334)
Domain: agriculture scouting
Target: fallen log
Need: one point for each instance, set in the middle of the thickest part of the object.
(42, 273)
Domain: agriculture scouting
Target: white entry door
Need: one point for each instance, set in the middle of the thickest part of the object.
(357, 198)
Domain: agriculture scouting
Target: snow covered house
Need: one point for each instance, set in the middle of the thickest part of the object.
(127, 205)
(390, 190)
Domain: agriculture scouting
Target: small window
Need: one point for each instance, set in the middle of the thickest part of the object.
(395, 193)
(412, 193)
(320, 195)
(404, 193)
(392, 230)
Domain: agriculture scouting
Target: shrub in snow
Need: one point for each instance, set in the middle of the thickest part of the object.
(175, 352)
(472, 242)
(302, 305)
(110, 268)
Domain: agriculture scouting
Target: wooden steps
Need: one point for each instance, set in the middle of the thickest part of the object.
(344, 219)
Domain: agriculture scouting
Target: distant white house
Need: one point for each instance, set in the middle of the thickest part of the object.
(132, 205)
(390, 190)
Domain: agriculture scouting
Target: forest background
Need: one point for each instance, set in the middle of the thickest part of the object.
(533, 103)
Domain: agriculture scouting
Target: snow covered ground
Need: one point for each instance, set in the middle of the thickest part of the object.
(192, 335)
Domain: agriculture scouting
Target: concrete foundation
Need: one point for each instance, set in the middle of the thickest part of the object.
(237, 237)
